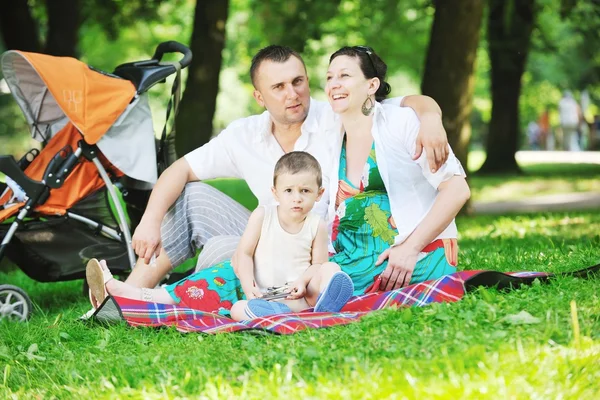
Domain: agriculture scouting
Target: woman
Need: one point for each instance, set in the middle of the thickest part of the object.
(392, 220)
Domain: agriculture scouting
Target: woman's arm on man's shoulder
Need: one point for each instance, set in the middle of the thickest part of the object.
(432, 135)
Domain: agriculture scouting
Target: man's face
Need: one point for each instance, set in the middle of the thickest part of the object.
(282, 88)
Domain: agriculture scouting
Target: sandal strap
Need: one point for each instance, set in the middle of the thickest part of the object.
(147, 295)
(107, 275)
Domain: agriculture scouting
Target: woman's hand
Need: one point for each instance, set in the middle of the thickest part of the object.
(401, 263)
(432, 136)
(298, 290)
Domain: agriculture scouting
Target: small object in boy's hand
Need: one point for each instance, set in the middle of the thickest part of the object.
(153, 261)
(274, 293)
(277, 296)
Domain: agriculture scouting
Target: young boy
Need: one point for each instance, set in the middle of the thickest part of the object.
(283, 246)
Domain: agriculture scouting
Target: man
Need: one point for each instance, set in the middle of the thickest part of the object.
(569, 113)
(248, 149)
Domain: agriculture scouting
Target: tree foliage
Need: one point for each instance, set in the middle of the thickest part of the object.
(563, 53)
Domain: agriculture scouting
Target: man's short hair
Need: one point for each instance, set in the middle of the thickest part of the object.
(275, 53)
(295, 162)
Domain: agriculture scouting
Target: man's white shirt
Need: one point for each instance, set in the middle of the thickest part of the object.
(247, 149)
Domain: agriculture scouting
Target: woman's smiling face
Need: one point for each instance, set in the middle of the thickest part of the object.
(347, 87)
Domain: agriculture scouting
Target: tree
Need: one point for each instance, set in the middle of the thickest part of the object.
(20, 30)
(510, 25)
(448, 75)
(195, 118)
(293, 23)
(22, 23)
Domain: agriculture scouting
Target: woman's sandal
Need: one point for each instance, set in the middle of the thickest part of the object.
(97, 277)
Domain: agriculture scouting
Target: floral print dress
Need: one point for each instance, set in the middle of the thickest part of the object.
(364, 228)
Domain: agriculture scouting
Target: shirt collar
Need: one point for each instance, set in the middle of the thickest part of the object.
(379, 112)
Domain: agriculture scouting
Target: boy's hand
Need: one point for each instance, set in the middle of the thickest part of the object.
(252, 292)
(298, 290)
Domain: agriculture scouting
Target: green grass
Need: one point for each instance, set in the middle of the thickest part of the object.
(478, 347)
(474, 348)
(537, 180)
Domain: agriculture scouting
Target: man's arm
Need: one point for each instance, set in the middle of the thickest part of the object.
(432, 135)
(170, 184)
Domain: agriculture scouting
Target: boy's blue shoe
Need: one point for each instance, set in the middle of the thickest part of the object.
(261, 308)
(337, 293)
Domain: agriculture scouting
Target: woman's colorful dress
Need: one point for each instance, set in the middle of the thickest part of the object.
(214, 289)
(364, 228)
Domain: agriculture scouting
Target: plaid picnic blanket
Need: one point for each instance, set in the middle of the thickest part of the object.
(449, 288)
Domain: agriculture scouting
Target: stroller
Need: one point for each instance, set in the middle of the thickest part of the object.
(69, 202)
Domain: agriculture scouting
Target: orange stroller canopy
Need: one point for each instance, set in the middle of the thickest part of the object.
(48, 88)
(106, 109)
(64, 100)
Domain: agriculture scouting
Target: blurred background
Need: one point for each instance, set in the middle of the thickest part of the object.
(500, 69)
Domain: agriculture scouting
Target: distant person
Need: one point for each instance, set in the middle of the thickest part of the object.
(544, 126)
(595, 133)
(569, 113)
(533, 135)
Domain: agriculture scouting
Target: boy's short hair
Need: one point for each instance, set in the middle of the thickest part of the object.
(298, 161)
(275, 53)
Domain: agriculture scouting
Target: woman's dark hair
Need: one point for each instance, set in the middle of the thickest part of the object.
(371, 65)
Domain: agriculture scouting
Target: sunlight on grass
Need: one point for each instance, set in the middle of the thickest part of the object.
(519, 188)
(537, 180)
(478, 347)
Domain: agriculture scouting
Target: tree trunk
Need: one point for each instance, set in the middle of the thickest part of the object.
(18, 28)
(63, 27)
(448, 76)
(509, 35)
(197, 108)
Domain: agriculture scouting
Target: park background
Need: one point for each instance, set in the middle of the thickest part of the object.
(493, 66)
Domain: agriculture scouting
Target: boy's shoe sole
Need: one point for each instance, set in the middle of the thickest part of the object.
(337, 293)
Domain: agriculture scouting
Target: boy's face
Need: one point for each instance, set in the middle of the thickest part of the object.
(297, 193)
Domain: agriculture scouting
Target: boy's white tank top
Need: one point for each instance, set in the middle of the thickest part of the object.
(281, 257)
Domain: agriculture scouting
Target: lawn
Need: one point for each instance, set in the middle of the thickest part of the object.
(541, 341)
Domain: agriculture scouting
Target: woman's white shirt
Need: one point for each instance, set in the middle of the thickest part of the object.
(410, 184)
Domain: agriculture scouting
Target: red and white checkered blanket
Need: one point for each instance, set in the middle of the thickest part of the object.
(449, 288)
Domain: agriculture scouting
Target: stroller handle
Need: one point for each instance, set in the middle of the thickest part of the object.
(174, 47)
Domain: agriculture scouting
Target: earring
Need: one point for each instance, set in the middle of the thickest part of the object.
(368, 106)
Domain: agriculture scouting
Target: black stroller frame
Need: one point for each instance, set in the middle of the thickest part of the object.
(144, 75)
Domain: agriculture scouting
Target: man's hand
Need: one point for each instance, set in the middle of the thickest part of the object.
(432, 136)
(401, 264)
(146, 240)
(298, 290)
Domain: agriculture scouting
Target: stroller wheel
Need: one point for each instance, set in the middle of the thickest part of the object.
(14, 303)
